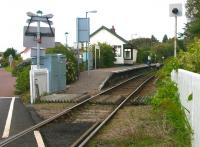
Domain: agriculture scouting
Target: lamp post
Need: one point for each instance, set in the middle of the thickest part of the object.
(87, 55)
(66, 35)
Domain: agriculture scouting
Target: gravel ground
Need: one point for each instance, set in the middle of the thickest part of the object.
(134, 126)
(47, 110)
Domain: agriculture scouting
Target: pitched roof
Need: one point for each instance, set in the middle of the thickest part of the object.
(24, 51)
(109, 30)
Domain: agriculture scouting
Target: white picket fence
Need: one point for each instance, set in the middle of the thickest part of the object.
(189, 83)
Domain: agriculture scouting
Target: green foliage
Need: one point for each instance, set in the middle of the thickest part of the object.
(190, 97)
(143, 141)
(190, 60)
(10, 51)
(71, 61)
(144, 47)
(165, 39)
(19, 67)
(170, 64)
(22, 80)
(4, 62)
(193, 8)
(154, 39)
(166, 102)
(193, 13)
(142, 55)
(141, 43)
(107, 56)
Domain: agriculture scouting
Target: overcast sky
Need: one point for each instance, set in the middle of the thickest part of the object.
(131, 18)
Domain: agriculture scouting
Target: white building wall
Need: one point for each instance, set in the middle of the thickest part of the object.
(26, 55)
(189, 83)
(106, 37)
(134, 55)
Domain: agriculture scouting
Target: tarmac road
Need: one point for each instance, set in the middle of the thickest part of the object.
(20, 120)
(13, 118)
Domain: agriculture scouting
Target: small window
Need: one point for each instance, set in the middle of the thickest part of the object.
(127, 54)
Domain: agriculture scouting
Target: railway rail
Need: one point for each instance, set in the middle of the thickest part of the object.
(87, 111)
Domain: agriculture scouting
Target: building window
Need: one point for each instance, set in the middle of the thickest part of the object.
(127, 54)
(118, 50)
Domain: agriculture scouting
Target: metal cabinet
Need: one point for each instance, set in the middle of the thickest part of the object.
(56, 65)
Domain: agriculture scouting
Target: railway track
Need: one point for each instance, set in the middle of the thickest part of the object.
(75, 126)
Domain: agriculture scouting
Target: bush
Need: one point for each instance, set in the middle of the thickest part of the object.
(22, 80)
(18, 68)
(167, 104)
(71, 61)
(107, 57)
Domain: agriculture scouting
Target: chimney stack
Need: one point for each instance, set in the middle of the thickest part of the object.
(113, 29)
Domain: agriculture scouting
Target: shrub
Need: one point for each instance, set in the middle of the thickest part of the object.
(22, 80)
(107, 57)
(18, 68)
(166, 102)
(71, 61)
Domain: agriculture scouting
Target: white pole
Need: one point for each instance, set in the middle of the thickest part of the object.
(87, 57)
(95, 54)
(175, 36)
(99, 56)
(38, 44)
(78, 60)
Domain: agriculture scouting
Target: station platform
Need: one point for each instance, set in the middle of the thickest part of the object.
(89, 83)
(92, 81)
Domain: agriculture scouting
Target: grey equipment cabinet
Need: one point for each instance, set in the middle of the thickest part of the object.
(56, 65)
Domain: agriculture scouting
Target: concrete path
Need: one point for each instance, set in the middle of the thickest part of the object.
(7, 84)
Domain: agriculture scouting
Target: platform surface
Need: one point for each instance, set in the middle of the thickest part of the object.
(89, 82)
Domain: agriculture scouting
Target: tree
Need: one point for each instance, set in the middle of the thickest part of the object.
(192, 9)
(153, 39)
(10, 51)
(193, 13)
(144, 46)
(107, 56)
(165, 39)
(7, 53)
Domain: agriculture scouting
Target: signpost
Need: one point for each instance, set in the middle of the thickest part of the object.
(39, 36)
(83, 34)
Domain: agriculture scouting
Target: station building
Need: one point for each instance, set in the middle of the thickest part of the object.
(125, 54)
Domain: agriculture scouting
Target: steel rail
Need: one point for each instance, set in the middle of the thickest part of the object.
(83, 142)
(64, 112)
